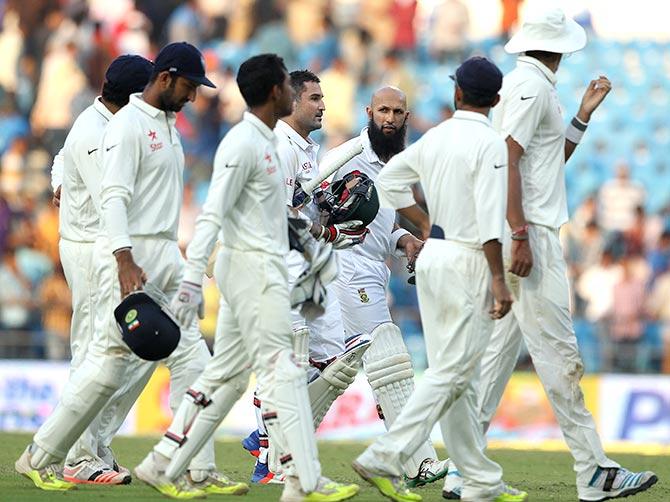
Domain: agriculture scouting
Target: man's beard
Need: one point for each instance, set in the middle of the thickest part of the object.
(167, 101)
(386, 146)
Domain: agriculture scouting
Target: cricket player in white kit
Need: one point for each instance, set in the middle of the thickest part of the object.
(363, 278)
(461, 165)
(530, 119)
(246, 206)
(141, 191)
(318, 342)
(75, 177)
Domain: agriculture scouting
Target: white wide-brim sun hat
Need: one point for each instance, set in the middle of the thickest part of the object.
(550, 30)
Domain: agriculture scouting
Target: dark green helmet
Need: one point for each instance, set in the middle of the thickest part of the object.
(354, 197)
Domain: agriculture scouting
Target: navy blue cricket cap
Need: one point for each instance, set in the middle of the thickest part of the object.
(146, 328)
(185, 60)
(128, 73)
(480, 76)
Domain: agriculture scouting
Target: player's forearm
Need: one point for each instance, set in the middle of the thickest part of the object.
(200, 248)
(515, 215)
(115, 220)
(418, 217)
(57, 170)
(493, 254)
(575, 131)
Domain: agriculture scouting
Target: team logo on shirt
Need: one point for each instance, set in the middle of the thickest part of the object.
(154, 146)
(363, 295)
(271, 168)
(307, 166)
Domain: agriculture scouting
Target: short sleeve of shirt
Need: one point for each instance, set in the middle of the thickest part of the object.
(524, 108)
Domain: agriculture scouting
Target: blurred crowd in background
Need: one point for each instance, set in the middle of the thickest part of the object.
(55, 52)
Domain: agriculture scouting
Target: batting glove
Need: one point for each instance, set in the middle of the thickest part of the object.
(344, 235)
(187, 303)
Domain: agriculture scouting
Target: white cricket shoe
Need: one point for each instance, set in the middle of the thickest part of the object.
(94, 472)
(614, 483)
(152, 472)
(106, 454)
(430, 471)
(327, 490)
(49, 478)
(453, 483)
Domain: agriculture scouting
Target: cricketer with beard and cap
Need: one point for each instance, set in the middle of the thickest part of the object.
(363, 278)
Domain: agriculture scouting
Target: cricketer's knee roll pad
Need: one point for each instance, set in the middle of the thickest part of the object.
(388, 367)
(301, 344)
(288, 418)
(196, 420)
(334, 380)
(87, 391)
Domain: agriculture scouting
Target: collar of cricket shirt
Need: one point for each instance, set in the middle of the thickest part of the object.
(304, 144)
(152, 111)
(260, 125)
(528, 61)
(474, 116)
(369, 153)
(102, 109)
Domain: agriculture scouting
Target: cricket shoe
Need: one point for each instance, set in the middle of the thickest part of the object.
(106, 454)
(217, 484)
(152, 472)
(430, 471)
(390, 486)
(326, 490)
(262, 475)
(614, 483)
(453, 483)
(49, 478)
(94, 472)
(252, 443)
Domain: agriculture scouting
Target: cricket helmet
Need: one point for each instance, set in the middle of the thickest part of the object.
(354, 197)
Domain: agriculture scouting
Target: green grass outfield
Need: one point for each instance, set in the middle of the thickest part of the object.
(546, 476)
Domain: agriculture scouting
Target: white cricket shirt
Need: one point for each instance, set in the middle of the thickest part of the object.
(462, 167)
(142, 180)
(530, 112)
(77, 169)
(246, 198)
(378, 243)
(298, 159)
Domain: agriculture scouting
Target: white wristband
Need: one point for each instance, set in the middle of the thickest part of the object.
(575, 130)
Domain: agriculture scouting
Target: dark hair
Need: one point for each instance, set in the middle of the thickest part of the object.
(116, 96)
(544, 56)
(298, 80)
(477, 100)
(258, 75)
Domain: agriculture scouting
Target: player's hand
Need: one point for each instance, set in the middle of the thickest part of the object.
(56, 197)
(188, 303)
(412, 247)
(522, 258)
(502, 298)
(594, 95)
(344, 235)
(131, 276)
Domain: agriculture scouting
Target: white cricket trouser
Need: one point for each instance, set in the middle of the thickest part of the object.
(541, 315)
(77, 259)
(361, 290)
(109, 367)
(326, 332)
(254, 324)
(453, 288)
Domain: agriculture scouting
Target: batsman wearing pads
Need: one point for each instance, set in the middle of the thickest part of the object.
(363, 278)
(76, 176)
(141, 193)
(319, 343)
(529, 118)
(461, 165)
(246, 207)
